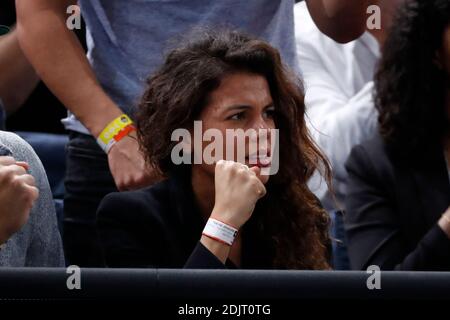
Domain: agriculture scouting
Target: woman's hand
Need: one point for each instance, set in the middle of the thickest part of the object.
(238, 188)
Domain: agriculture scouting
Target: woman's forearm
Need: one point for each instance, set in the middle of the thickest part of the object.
(220, 250)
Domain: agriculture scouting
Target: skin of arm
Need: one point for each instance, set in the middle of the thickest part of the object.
(342, 21)
(60, 61)
(18, 78)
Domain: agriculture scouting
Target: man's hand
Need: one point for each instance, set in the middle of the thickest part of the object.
(17, 196)
(128, 166)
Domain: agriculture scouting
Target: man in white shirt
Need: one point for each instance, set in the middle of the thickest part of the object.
(338, 80)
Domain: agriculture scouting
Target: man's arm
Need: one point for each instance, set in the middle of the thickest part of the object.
(342, 20)
(18, 78)
(60, 61)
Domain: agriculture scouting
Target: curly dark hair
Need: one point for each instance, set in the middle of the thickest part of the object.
(410, 85)
(289, 216)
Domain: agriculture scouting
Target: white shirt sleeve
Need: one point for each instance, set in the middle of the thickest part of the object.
(339, 101)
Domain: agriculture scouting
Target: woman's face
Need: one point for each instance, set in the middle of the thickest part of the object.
(242, 101)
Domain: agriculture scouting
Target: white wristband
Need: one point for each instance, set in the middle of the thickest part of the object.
(220, 231)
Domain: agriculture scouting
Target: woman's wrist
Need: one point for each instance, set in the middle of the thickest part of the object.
(217, 248)
(225, 216)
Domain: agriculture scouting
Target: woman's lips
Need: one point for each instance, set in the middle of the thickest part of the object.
(259, 161)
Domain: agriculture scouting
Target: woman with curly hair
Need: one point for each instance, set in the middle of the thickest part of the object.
(399, 192)
(224, 214)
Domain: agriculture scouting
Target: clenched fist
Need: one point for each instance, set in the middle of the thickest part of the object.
(17, 196)
(238, 188)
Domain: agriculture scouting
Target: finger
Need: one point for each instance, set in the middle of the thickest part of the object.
(219, 165)
(259, 186)
(220, 162)
(33, 191)
(256, 170)
(7, 161)
(28, 179)
(23, 164)
(14, 170)
(261, 190)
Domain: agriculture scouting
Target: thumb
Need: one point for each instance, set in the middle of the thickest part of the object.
(256, 170)
(23, 164)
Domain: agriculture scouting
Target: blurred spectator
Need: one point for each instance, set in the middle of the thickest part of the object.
(338, 80)
(398, 188)
(28, 229)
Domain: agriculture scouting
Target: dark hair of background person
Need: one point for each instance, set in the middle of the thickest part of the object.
(289, 216)
(42, 111)
(410, 84)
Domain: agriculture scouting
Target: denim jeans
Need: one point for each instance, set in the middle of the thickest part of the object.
(339, 243)
(51, 150)
(88, 180)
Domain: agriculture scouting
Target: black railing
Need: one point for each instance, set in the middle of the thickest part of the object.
(218, 284)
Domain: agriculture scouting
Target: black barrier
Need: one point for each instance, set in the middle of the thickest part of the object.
(218, 284)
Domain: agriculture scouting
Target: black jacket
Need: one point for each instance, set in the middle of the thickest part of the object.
(393, 205)
(160, 227)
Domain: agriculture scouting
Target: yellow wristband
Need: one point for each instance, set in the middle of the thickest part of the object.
(106, 138)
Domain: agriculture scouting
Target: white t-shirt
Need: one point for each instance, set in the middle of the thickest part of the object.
(338, 80)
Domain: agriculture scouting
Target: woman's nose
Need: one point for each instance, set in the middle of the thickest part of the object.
(261, 123)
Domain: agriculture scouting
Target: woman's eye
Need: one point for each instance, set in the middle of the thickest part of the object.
(270, 113)
(237, 116)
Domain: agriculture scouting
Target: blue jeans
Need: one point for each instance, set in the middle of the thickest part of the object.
(51, 150)
(88, 180)
(339, 241)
